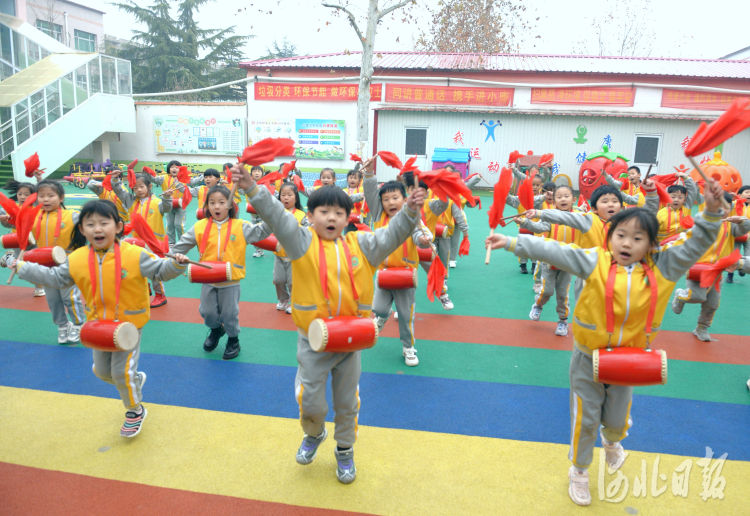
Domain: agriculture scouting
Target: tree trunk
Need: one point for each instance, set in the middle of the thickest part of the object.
(365, 77)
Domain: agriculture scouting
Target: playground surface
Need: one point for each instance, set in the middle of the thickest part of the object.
(481, 426)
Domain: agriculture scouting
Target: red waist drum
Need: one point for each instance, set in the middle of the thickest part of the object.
(218, 273)
(396, 278)
(342, 334)
(630, 366)
(109, 335)
(10, 241)
(741, 238)
(440, 230)
(47, 256)
(270, 243)
(425, 254)
(354, 218)
(249, 208)
(199, 214)
(176, 203)
(524, 231)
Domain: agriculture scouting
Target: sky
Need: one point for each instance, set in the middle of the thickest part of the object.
(672, 27)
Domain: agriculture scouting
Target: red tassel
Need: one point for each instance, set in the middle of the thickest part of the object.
(146, 234)
(687, 222)
(298, 183)
(354, 157)
(546, 159)
(266, 150)
(445, 184)
(149, 171)
(25, 220)
(10, 207)
(362, 227)
(287, 168)
(32, 164)
(739, 206)
(665, 179)
(269, 178)
(390, 159)
(228, 173)
(183, 176)
(409, 165)
(317, 182)
(661, 190)
(463, 250)
(131, 178)
(478, 201)
(526, 194)
(499, 195)
(734, 120)
(132, 164)
(127, 229)
(514, 156)
(107, 183)
(435, 279)
(186, 197)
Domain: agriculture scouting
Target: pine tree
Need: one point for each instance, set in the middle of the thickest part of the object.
(174, 54)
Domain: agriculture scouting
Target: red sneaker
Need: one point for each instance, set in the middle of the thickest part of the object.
(158, 300)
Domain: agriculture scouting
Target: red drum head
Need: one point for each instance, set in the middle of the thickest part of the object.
(630, 366)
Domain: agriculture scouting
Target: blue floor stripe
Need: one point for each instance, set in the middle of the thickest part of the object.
(527, 413)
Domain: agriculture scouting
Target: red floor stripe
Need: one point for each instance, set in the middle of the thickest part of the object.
(731, 349)
(25, 490)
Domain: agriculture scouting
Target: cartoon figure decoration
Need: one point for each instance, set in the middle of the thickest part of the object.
(604, 162)
(490, 125)
(728, 177)
(543, 163)
(581, 132)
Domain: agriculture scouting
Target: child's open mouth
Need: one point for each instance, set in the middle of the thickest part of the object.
(331, 228)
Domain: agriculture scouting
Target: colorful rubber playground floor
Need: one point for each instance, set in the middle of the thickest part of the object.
(479, 427)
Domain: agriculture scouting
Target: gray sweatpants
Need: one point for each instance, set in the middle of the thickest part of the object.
(444, 252)
(221, 306)
(310, 390)
(62, 300)
(404, 301)
(554, 281)
(282, 279)
(709, 299)
(175, 225)
(592, 405)
(120, 368)
(455, 243)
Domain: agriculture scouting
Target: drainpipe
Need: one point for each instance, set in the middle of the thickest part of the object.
(65, 28)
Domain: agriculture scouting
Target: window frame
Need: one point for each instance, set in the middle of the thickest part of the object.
(416, 128)
(82, 35)
(659, 137)
(53, 30)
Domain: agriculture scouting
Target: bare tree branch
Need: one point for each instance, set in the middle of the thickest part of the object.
(392, 8)
(352, 19)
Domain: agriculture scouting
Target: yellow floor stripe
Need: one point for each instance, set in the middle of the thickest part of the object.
(399, 471)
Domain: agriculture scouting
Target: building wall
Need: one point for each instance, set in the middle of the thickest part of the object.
(78, 17)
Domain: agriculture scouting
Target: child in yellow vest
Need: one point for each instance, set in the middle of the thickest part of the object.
(332, 276)
(627, 290)
(282, 265)
(222, 237)
(257, 172)
(92, 269)
(390, 200)
(211, 178)
(554, 280)
(741, 206)
(632, 195)
(709, 297)
(672, 218)
(354, 190)
(176, 216)
(152, 208)
(539, 199)
(53, 226)
(114, 194)
(457, 236)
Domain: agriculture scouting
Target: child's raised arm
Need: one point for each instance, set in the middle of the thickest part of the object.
(160, 269)
(293, 238)
(579, 221)
(370, 188)
(54, 277)
(378, 245)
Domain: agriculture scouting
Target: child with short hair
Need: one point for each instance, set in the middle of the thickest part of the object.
(111, 195)
(257, 172)
(288, 195)
(740, 206)
(627, 290)
(176, 216)
(221, 237)
(97, 248)
(333, 276)
(354, 190)
(19, 192)
(539, 199)
(211, 177)
(632, 195)
(672, 218)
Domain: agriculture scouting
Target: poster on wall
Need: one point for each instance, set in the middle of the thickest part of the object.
(319, 139)
(175, 134)
(269, 128)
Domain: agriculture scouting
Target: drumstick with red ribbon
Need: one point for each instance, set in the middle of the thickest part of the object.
(24, 220)
(499, 195)
(161, 249)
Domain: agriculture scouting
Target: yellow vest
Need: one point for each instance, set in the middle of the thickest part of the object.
(596, 236)
(632, 300)
(299, 215)
(109, 195)
(405, 256)
(564, 234)
(153, 217)
(237, 196)
(169, 183)
(447, 218)
(202, 194)
(134, 297)
(44, 234)
(636, 191)
(428, 217)
(358, 206)
(669, 221)
(234, 251)
(308, 302)
(722, 246)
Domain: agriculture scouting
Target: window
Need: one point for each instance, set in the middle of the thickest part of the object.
(85, 41)
(52, 30)
(647, 148)
(416, 142)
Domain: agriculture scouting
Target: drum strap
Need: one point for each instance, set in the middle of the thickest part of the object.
(323, 266)
(57, 225)
(609, 296)
(118, 278)
(207, 232)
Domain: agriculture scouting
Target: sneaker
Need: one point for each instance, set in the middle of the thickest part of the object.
(62, 333)
(523, 268)
(535, 313)
(452, 264)
(410, 357)
(380, 321)
(395, 315)
(562, 329)
(233, 348)
(614, 455)
(537, 288)
(579, 486)
(39, 292)
(288, 308)
(74, 333)
(741, 273)
(677, 303)
(280, 306)
(701, 332)
(533, 267)
(345, 470)
(158, 300)
(6, 258)
(143, 378)
(258, 253)
(447, 303)
(730, 277)
(213, 339)
(133, 423)
(309, 447)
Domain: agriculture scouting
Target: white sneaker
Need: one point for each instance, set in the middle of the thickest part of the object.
(280, 306)
(452, 264)
(614, 455)
(6, 259)
(74, 332)
(562, 329)
(701, 332)
(677, 303)
(62, 333)
(380, 322)
(447, 303)
(410, 357)
(537, 288)
(39, 292)
(288, 308)
(579, 486)
(395, 315)
(258, 253)
(535, 313)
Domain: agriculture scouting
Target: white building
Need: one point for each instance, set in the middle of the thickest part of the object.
(492, 104)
